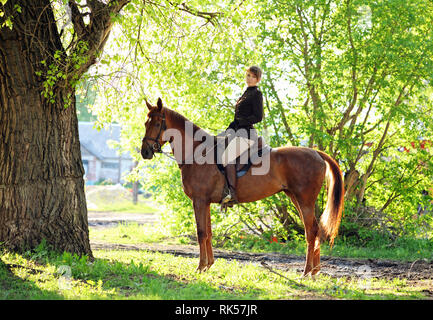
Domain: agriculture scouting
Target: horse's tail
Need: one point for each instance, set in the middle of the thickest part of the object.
(331, 217)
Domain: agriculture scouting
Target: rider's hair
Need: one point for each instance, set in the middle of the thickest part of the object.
(256, 71)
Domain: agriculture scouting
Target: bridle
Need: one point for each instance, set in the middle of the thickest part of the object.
(156, 146)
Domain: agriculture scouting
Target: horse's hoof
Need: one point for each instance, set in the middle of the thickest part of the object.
(301, 277)
(308, 275)
(315, 273)
(305, 275)
(202, 268)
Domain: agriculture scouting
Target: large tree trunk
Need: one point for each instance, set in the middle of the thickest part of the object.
(41, 172)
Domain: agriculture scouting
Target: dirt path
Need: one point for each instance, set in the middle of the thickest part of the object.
(109, 219)
(333, 266)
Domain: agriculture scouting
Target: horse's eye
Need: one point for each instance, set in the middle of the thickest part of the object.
(157, 125)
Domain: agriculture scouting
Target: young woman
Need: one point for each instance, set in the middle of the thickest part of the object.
(248, 111)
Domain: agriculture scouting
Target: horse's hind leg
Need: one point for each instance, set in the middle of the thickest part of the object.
(311, 236)
(306, 211)
(316, 257)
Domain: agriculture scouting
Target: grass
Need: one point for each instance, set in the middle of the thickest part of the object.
(123, 207)
(114, 198)
(130, 233)
(404, 249)
(114, 274)
(149, 275)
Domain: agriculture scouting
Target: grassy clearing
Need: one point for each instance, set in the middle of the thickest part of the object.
(124, 207)
(115, 198)
(43, 274)
(147, 275)
(130, 233)
(401, 249)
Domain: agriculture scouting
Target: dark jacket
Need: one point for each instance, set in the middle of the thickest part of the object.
(249, 110)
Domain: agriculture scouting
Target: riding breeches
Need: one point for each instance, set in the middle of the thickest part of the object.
(236, 147)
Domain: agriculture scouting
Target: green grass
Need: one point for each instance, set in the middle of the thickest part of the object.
(148, 275)
(124, 207)
(112, 198)
(404, 249)
(130, 233)
(152, 275)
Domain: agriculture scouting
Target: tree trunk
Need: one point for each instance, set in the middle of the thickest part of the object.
(135, 186)
(41, 172)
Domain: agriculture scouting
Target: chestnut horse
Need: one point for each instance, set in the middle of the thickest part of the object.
(297, 171)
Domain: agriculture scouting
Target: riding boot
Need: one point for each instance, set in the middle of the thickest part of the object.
(230, 173)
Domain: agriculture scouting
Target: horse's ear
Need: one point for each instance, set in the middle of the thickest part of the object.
(149, 106)
(159, 104)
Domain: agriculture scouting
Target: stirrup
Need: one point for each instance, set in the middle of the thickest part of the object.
(227, 199)
(228, 204)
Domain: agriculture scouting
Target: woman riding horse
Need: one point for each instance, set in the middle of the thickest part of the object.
(299, 172)
(241, 133)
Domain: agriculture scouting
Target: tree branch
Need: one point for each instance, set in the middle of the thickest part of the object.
(354, 64)
(379, 148)
(272, 119)
(281, 109)
(209, 16)
(91, 38)
(77, 19)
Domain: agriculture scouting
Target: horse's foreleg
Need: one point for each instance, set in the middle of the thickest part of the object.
(200, 210)
(210, 258)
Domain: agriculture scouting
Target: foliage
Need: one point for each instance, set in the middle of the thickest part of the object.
(350, 77)
(84, 100)
(347, 77)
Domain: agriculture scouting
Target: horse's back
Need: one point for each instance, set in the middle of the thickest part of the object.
(297, 153)
(289, 167)
(302, 167)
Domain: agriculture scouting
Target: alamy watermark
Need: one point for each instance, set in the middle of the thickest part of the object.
(364, 274)
(64, 281)
(242, 144)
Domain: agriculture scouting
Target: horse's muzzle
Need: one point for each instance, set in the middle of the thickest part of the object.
(146, 153)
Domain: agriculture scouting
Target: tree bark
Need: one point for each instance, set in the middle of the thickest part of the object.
(41, 172)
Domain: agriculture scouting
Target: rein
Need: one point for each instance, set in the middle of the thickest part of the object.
(156, 146)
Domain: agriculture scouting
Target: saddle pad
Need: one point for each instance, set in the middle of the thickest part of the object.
(255, 158)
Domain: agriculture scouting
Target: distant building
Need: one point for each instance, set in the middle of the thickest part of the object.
(100, 161)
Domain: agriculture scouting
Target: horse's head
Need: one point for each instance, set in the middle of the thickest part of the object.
(155, 127)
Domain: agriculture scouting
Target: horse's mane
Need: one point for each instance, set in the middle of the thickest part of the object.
(178, 120)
